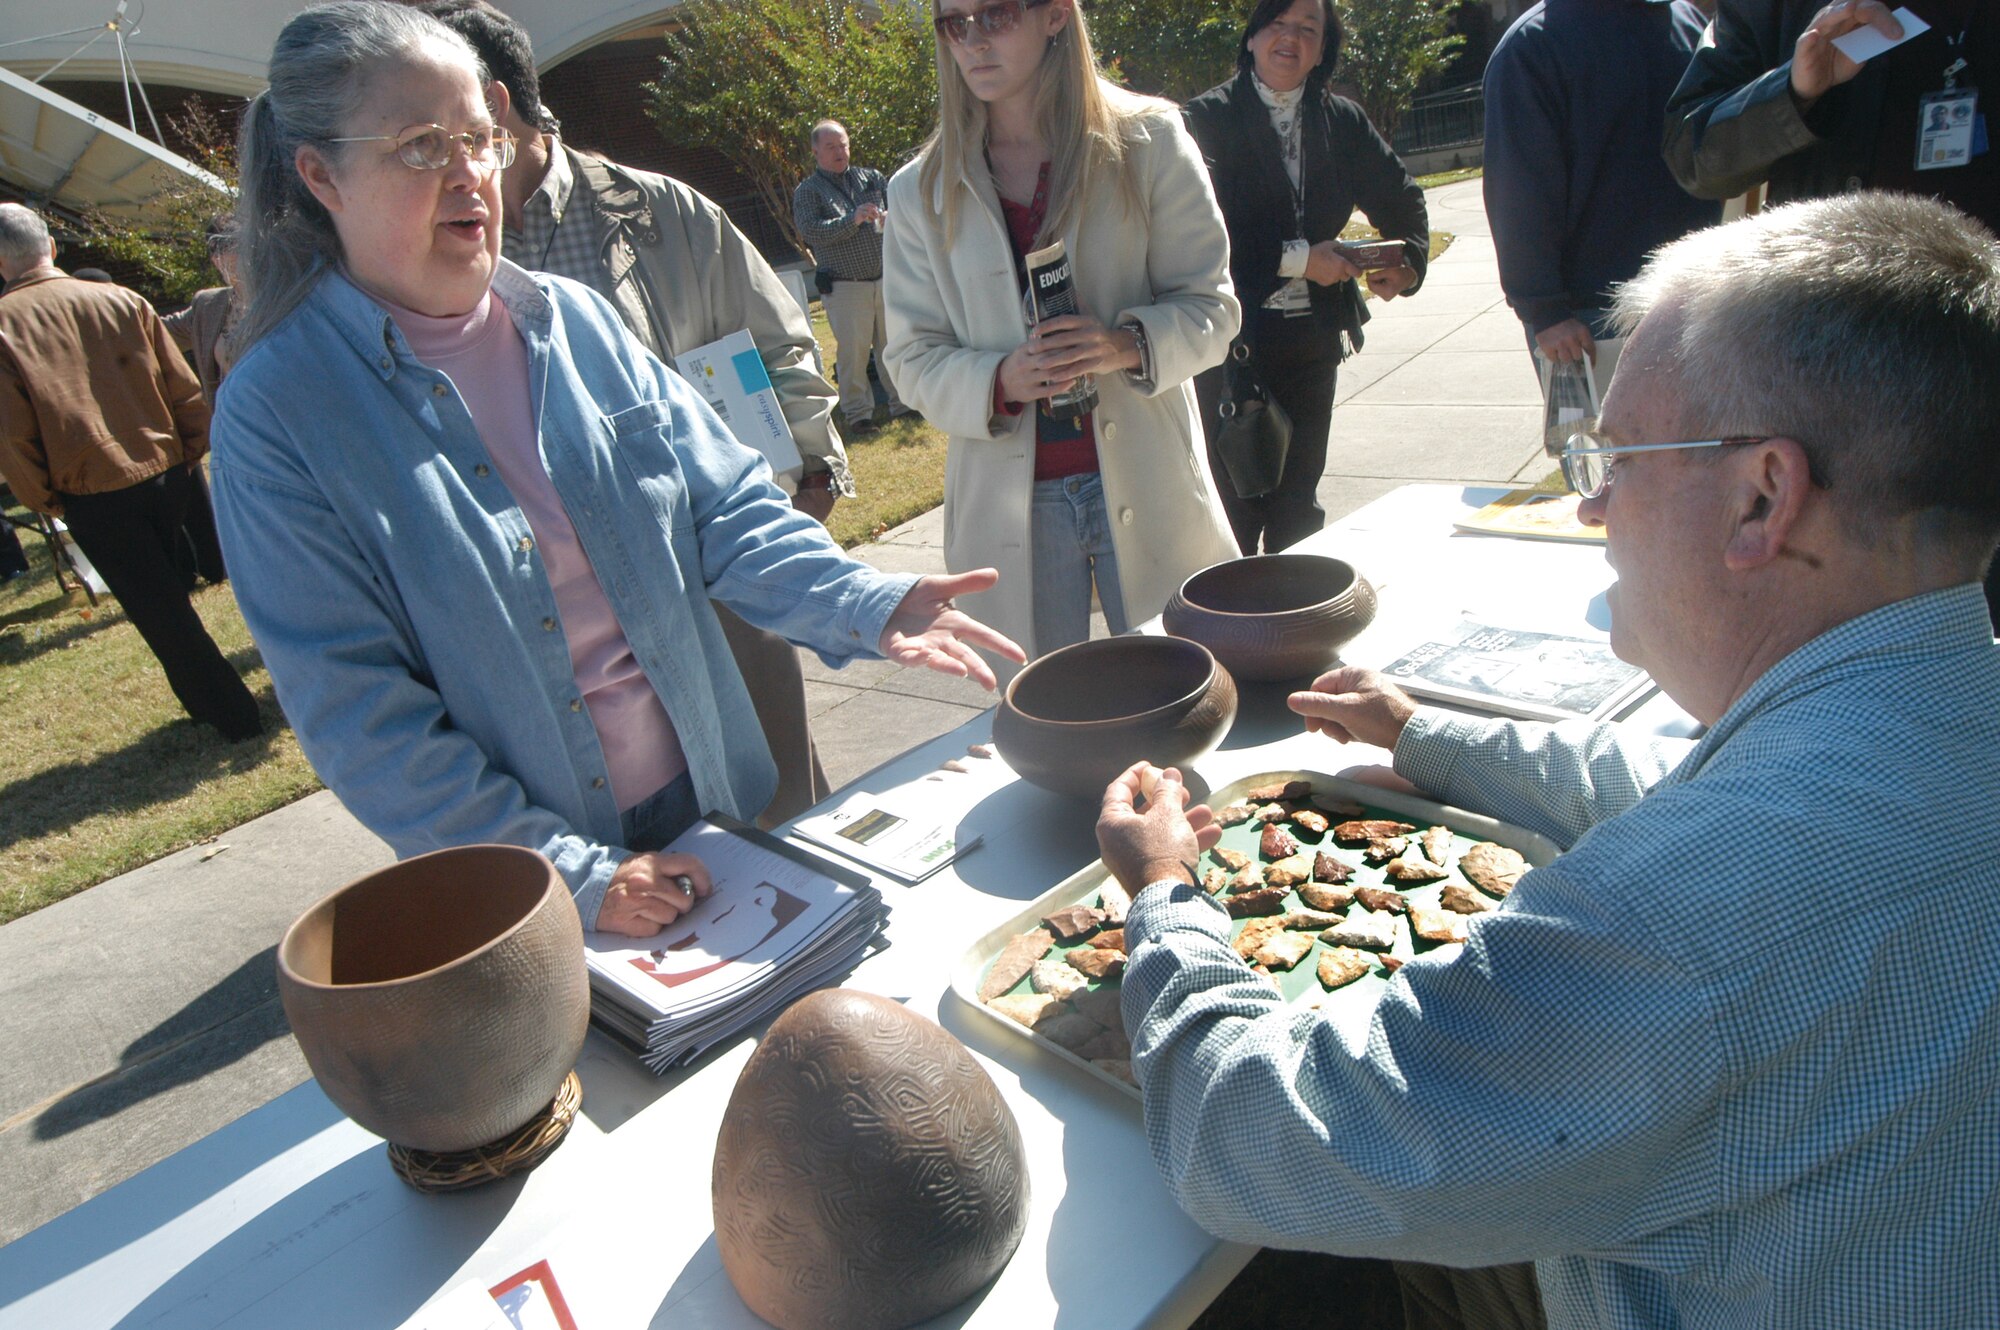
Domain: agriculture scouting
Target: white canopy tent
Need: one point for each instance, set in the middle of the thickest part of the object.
(60, 154)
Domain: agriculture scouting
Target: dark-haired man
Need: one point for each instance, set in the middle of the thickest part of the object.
(680, 275)
(1676, 1068)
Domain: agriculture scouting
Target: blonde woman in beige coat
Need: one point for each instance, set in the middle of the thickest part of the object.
(1032, 146)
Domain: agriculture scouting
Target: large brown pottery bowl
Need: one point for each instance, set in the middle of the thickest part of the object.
(1274, 616)
(441, 1002)
(1076, 718)
(868, 1175)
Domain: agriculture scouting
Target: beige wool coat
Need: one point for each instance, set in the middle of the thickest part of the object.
(955, 312)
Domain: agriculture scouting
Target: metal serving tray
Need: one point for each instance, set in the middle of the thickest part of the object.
(1301, 983)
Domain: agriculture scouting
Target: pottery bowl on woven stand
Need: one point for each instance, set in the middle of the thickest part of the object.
(1273, 617)
(441, 1002)
(868, 1175)
(1073, 720)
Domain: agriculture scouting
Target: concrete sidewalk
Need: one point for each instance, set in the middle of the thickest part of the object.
(139, 1016)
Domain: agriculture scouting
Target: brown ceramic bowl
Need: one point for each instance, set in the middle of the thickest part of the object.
(441, 1001)
(868, 1175)
(1076, 718)
(1274, 616)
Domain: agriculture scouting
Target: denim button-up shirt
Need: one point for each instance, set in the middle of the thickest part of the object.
(394, 588)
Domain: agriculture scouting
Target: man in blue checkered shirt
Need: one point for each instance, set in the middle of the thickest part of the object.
(1733, 1059)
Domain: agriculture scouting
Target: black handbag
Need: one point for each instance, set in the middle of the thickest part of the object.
(1256, 433)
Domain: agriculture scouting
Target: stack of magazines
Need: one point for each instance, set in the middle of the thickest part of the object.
(781, 922)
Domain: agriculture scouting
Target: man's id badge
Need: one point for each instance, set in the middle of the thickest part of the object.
(1944, 128)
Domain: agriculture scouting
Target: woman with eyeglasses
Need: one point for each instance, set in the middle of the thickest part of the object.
(1291, 163)
(1033, 147)
(474, 525)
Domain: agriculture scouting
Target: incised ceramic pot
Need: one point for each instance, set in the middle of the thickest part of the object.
(1273, 616)
(1076, 718)
(868, 1175)
(441, 1001)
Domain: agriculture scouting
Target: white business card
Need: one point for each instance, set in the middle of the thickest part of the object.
(1865, 43)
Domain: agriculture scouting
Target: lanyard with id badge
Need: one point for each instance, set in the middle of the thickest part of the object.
(1950, 129)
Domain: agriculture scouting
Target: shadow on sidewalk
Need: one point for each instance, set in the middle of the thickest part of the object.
(233, 1019)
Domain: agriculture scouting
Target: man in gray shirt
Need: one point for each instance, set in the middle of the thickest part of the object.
(840, 209)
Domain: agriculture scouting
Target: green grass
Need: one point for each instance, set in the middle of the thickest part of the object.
(100, 770)
(899, 473)
(898, 470)
(1437, 178)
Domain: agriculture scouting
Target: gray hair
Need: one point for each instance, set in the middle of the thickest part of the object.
(24, 235)
(812, 139)
(318, 70)
(1866, 327)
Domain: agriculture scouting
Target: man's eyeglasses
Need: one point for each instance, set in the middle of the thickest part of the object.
(429, 147)
(1587, 460)
(992, 20)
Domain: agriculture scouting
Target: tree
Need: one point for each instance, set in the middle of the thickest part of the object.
(1391, 45)
(750, 77)
(1165, 47)
(172, 248)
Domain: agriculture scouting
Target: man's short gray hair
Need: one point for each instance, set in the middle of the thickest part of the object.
(24, 235)
(812, 139)
(1865, 326)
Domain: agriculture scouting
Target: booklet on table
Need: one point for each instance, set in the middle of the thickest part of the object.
(1535, 675)
(1532, 515)
(899, 833)
(781, 922)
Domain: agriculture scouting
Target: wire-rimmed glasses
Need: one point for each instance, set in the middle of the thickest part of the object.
(430, 147)
(1588, 457)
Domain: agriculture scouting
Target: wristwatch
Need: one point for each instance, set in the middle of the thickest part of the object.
(1144, 374)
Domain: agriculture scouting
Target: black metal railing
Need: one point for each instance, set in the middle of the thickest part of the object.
(1446, 119)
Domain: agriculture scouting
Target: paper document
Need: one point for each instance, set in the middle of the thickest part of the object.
(1532, 515)
(893, 832)
(463, 1307)
(1540, 676)
(781, 921)
(731, 378)
(1864, 44)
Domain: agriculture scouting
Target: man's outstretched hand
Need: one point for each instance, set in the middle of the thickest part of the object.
(928, 630)
(1160, 843)
(1351, 703)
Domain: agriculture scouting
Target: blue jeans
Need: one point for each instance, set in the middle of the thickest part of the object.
(1070, 543)
(661, 815)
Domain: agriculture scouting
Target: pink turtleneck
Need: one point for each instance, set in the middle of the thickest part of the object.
(484, 357)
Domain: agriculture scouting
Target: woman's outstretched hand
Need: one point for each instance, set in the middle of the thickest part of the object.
(928, 630)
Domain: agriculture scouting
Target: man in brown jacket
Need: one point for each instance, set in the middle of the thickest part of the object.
(100, 422)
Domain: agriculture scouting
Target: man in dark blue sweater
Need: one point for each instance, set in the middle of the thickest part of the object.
(1576, 189)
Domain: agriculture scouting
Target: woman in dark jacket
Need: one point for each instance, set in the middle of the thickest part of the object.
(1291, 162)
